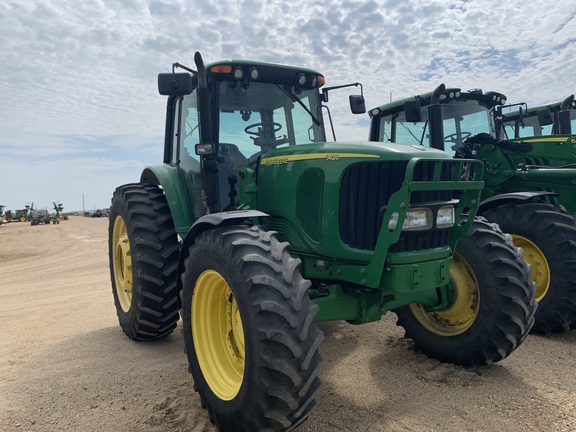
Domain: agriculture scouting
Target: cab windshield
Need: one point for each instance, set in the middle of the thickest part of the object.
(264, 116)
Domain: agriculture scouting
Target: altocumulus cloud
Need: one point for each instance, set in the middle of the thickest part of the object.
(79, 107)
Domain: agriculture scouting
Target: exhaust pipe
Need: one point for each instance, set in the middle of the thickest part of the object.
(564, 116)
(435, 120)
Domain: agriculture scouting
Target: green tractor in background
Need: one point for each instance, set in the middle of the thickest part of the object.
(255, 228)
(22, 215)
(39, 217)
(527, 195)
(42, 216)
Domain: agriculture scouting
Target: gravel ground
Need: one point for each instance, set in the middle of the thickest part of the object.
(65, 365)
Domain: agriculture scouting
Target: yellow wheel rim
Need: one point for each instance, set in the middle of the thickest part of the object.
(218, 335)
(540, 270)
(465, 305)
(122, 261)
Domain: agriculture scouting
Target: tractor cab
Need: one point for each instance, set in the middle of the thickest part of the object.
(222, 118)
(552, 119)
(463, 114)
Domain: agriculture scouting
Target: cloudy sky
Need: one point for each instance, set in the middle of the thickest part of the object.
(79, 109)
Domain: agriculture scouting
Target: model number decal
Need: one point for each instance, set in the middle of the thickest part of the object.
(282, 160)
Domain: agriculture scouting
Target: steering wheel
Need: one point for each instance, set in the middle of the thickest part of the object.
(457, 138)
(277, 127)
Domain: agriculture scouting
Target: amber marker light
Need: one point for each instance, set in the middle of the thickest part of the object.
(226, 69)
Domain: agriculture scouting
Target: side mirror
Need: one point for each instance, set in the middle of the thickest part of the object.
(174, 84)
(412, 111)
(357, 104)
(545, 117)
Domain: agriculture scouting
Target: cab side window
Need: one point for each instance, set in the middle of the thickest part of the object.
(189, 133)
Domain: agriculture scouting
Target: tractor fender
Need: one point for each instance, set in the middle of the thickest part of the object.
(168, 177)
(208, 222)
(498, 200)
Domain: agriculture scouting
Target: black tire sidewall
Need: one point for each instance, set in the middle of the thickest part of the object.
(281, 339)
(214, 259)
(504, 285)
(547, 226)
(154, 249)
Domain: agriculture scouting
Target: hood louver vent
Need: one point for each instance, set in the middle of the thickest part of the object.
(309, 202)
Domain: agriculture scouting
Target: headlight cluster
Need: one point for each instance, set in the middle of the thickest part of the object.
(419, 219)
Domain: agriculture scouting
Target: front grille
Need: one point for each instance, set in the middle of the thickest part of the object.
(365, 191)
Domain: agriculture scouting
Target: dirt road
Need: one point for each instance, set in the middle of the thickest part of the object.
(65, 365)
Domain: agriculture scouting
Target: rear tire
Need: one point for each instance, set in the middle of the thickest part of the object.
(143, 254)
(547, 233)
(493, 307)
(249, 329)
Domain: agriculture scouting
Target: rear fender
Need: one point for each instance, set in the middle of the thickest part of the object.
(168, 177)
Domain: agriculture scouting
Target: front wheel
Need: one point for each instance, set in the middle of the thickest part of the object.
(143, 254)
(249, 330)
(492, 303)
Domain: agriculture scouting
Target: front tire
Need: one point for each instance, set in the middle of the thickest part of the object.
(548, 236)
(249, 329)
(143, 254)
(493, 304)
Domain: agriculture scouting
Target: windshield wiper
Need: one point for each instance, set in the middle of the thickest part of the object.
(294, 98)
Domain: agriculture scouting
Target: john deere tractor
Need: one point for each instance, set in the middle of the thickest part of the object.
(21, 215)
(529, 183)
(255, 228)
(39, 216)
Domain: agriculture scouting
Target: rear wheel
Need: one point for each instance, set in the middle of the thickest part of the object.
(143, 253)
(492, 308)
(249, 329)
(547, 233)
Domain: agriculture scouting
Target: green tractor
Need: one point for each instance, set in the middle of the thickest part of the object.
(42, 216)
(39, 217)
(529, 189)
(21, 215)
(255, 228)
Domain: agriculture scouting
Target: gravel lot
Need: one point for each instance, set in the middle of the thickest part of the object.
(65, 365)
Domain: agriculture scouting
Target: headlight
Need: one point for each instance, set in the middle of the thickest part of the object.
(416, 219)
(445, 217)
